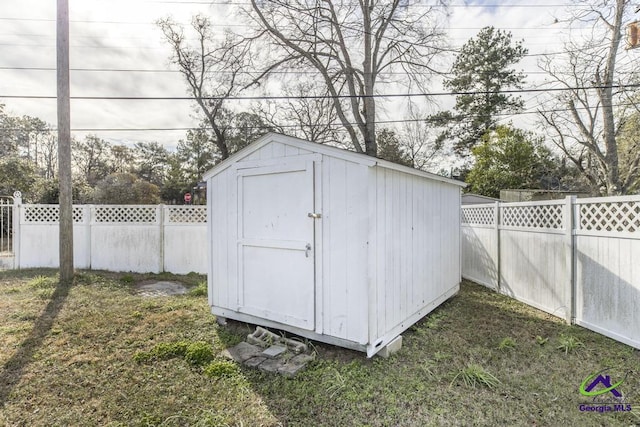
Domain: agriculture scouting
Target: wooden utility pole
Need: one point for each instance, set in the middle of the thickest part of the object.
(64, 144)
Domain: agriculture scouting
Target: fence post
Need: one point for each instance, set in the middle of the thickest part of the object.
(496, 219)
(17, 208)
(161, 218)
(569, 253)
(87, 223)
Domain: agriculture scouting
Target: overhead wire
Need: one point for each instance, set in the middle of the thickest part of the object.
(502, 117)
(538, 92)
(288, 97)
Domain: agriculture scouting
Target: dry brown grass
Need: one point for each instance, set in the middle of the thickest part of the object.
(68, 359)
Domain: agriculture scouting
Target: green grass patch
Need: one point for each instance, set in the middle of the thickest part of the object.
(221, 369)
(200, 290)
(568, 343)
(541, 340)
(195, 353)
(507, 344)
(474, 375)
(95, 354)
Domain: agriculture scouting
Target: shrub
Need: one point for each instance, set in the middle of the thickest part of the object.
(199, 353)
(221, 369)
(200, 290)
(162, 351)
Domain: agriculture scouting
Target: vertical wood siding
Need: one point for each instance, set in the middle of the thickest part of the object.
(417, 245)
(344, 244)
(387, 245)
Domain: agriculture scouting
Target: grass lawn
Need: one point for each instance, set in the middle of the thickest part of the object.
(96, 353)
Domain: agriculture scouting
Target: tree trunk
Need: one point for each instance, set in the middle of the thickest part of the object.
(369, 105)
(605, 92)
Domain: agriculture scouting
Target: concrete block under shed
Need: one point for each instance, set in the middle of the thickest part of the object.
(393, 347)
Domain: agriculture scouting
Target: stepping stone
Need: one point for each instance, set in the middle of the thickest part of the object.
(271, 353)
(270, 365)
(242, 352)
(295, 365)
(254, 362)
(265, 338)
(274, 351)
(152, 289)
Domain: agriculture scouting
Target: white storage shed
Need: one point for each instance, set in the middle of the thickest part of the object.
(329, 244)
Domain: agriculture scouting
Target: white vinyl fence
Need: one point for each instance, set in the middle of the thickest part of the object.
(578, 259)
(136, 238)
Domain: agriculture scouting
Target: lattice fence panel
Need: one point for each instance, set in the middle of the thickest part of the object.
(45, 214)
(539, 216)
(6, 224)
(125, 214)
(614, 217)
(478, 216)
(187, 214)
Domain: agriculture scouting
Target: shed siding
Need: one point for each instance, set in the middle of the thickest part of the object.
(386, 246)
(418, 242)
(344, 240)
(219, 217)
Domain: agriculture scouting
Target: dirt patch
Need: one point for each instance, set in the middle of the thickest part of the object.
(154, 288)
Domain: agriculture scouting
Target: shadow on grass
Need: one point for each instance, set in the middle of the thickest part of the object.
(14, 369)
(421, 385)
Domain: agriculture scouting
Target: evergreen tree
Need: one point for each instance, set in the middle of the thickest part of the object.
(481, 72)
(389, 148)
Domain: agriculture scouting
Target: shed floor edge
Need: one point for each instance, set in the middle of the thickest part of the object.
(385, 339)
(327, 339)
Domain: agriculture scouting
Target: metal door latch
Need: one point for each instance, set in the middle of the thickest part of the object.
(307, 249)
(314, 215)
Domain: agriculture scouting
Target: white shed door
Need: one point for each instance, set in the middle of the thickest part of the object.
(276, 243)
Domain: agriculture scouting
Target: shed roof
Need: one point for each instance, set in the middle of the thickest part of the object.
(325, 150)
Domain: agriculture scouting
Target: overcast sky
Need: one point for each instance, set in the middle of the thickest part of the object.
(121, 35)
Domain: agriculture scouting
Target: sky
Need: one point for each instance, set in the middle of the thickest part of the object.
(117, 50)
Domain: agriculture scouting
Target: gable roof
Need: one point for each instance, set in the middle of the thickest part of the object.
(327, 150)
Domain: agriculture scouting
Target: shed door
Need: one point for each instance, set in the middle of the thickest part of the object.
(276, 243)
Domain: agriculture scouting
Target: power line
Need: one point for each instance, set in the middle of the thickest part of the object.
(297, 126)
(502, 117)
(156, 70)
(289, 97)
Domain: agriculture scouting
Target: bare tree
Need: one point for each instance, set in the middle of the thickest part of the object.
(590, 112)
(212, 69)
(302, 115)
(418, 141)
(353, 46)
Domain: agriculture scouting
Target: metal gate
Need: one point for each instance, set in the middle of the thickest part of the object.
(7, 231)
